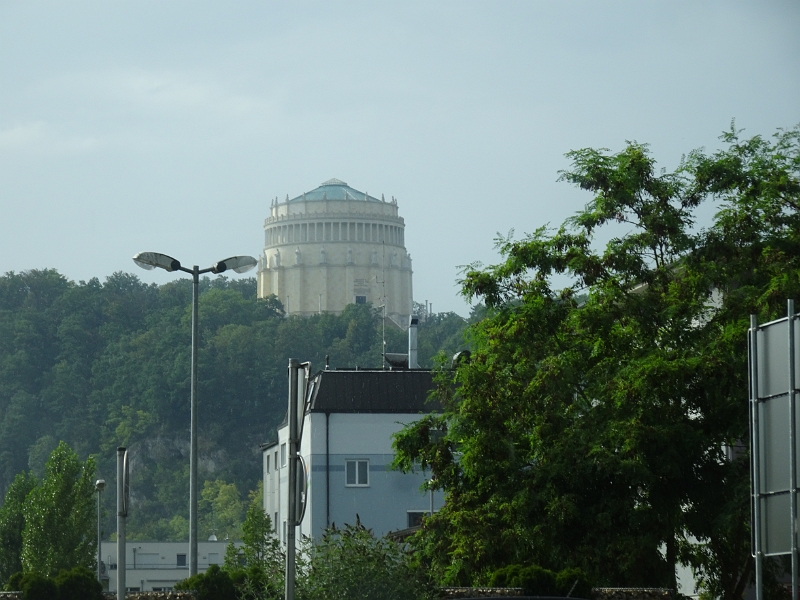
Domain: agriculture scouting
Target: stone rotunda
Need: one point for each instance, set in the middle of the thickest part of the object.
(335, 246)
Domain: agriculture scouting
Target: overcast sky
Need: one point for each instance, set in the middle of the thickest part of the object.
(169, 125)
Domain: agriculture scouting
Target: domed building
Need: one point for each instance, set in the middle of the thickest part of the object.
(335, 246)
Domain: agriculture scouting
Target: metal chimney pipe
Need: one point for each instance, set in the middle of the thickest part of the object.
(412, 342)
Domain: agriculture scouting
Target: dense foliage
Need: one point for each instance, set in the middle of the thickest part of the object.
(12, 524)
(347, 563)
(47, 526)
(352, 564)
(60, 516)
(78, 583)
(102, 365)
(602, 420)
(536, 581)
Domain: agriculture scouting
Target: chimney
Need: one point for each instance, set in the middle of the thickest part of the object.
(412, 342)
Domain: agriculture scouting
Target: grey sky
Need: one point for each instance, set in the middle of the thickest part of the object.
(169, 125)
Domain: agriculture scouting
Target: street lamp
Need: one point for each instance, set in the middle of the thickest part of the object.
(99, 485)
(238, 264)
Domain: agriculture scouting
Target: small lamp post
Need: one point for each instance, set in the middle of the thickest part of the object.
(99, 485)
(238, 264)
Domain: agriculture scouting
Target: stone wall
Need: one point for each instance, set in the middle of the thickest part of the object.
(632, 594)
(152, 595)
(597, 593)
(469, 592)
(128, 596)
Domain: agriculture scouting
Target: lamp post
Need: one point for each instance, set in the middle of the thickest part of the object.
(99, 485)
(238, 264)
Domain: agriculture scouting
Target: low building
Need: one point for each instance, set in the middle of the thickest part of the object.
(158, 566)
(347, 450)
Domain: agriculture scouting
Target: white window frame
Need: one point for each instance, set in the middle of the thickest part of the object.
(422, 515)
(356, 462)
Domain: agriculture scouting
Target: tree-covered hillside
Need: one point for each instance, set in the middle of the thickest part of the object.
(106, 364)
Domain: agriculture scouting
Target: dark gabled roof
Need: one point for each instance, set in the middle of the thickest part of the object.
(375, 391)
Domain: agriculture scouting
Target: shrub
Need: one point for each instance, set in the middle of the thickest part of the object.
(78, 583)
(574, 583)
(502, 577)
(38, 587)
(214, 584)
(536, 581)
(15, 582)
(352, 564)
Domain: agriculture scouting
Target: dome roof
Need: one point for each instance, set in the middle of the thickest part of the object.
(334, 189)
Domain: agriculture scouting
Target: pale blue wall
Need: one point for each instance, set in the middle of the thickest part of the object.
(382, 506)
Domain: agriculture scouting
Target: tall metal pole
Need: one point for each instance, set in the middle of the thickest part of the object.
(792, 449)
(193, 431)
(121, 516)
(291, 512)
(238, 264)
(754, 456)
(99, 485)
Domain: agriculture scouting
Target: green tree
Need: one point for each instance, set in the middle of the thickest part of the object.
(12, 523)
(589, 429)
(60, 516)
(352, 564)
(221, 510)
(752, 255)
(261, 545)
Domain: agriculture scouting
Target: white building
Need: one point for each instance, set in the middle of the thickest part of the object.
(347, 449)
(158, 566)
(335, 246)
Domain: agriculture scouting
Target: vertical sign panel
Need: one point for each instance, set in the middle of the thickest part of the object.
(773, 425)
(773, 434)
(775, 524)
(773, 372)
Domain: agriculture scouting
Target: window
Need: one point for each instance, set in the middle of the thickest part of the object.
(180, 560)
(275, 523)
(283, 455)
(415, 517)
(267, 463)
(361, 299)
(275, 462)
(357, 473)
